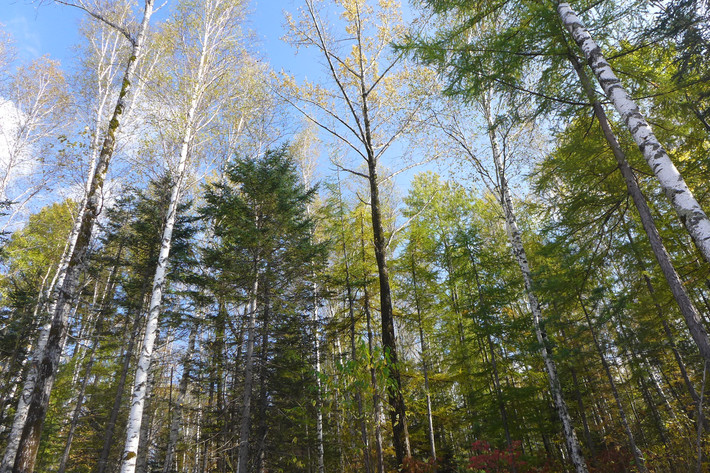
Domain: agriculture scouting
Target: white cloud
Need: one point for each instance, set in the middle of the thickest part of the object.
(26, 36)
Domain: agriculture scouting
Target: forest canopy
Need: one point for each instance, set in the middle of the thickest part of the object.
(452, 236)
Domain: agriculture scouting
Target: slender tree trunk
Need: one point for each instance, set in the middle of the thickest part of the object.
(518, 250)
(376, 403)
(243, 460)
(398, 417)
(638, 456)
(687, 207)
(146, 423)
(21, 451)
(686, 306)
(425, 361)
(219, 381)
(580, 405)
(260, 466)
(699, 438)
(106, 297)
(337, 354)
(144, 361)
(353, 349)
(494, 363)
(177, 409)
(319, 384)
(398, 414)
(102, 464)
(666, 327)
(641, 377)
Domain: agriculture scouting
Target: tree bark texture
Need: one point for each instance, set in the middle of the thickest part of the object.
(518, 250)
(41, 378)
(686, 206)
(685, 304)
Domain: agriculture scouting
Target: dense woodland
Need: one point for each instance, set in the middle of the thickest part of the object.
(472, 240)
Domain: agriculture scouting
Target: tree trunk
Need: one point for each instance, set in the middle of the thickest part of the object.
(666, 327)
(516, 243)
(580, 407)
(146, 424)
(353, 349)
(102, 464)
(263, 392)
(494, 363)
(425, 363)
(687, 207)
(686, 306)
(319, 384)
(243, 460)
(106, 297)
(38, 386)
(177, 407)
(376, 403)
(144, 361)
(638, 456)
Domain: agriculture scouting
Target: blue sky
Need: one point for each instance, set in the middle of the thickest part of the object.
(41, 28)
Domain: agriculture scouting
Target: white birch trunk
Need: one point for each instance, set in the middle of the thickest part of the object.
(319, 385)
(518, 250)
(425, 363)
(64, 282)
(685, 304)
(51, 297)
(687, 207)
(307, 166)
(140, 386)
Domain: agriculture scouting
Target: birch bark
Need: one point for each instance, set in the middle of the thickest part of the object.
(21, 452)
(140, 385)
(518, 250)
(685, 304)
(214, 29)
(686, 206)
(425, 361)
(102, 463)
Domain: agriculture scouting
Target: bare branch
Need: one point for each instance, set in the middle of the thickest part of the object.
(343, 168)
(101, 18)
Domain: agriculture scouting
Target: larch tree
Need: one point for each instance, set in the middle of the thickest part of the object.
(368, 105)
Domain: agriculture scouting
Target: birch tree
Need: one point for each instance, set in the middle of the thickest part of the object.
(34, 110)
(496, 181)
(204, 42)
(671, 181)
(21, 452)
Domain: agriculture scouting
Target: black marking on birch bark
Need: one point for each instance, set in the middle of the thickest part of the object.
(609, 83)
